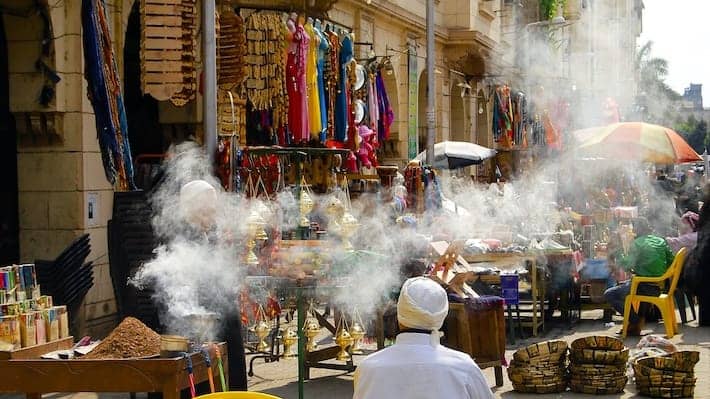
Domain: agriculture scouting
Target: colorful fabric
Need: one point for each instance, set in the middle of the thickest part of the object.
(296, 86)
(104, 91)
(636, 141)
(386, 115)
(314, 121)
(341, 98)
(323, 53)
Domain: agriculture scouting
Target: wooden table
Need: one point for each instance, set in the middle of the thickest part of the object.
(167, 375)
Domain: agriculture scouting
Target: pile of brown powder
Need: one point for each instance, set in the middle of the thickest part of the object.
(131, 339)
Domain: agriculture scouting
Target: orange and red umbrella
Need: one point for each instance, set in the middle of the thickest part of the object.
(636, 141)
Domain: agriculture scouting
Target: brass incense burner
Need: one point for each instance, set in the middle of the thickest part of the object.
(343, 340)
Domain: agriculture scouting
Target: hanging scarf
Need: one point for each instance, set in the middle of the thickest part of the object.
(104, 91)
(385, 109)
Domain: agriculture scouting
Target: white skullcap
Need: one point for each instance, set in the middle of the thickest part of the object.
(197, 195)
(422, 304)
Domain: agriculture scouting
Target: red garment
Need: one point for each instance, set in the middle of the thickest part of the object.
(296, 87)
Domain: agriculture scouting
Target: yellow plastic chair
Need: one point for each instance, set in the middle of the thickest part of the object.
(665, 302)
(237, 395)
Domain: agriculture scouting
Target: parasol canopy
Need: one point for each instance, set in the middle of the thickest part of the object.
(457, 154)
(636, 141)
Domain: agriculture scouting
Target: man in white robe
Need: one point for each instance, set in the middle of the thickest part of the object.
(417, 366)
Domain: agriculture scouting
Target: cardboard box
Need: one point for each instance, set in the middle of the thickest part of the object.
(40, 329)
(28, 331)
(63, 317)
(44, 302)
(10, 338)
(51, 324)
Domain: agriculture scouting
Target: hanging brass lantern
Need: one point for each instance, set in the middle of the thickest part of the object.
(357, 333)
(312, 329)
(305, 205)
(290, 338)
(262, 330)
(343, 340)
(348, 226)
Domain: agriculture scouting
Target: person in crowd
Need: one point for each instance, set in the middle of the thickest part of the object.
(198, 206)
(417, 366)
(695, 273)
(687, 233)
(648, 256)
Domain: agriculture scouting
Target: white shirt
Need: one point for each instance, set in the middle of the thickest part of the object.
(414, 369)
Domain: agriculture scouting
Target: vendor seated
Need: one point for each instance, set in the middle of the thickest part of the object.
(648, 256)
(417, 366)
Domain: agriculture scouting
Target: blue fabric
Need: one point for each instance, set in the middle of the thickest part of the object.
(616, 297)
(104, 92)
(341, 99)
(320, 64)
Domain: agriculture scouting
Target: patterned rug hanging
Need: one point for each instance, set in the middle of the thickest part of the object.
(104, 91)
(168, 48)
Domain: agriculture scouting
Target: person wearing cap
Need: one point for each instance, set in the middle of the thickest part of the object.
(417, 366)
(198, 208)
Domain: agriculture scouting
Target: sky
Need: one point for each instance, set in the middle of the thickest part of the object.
(679, 30)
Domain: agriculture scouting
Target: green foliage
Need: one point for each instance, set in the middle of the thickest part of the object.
(695, 132)
(659, 98)
(548, 8)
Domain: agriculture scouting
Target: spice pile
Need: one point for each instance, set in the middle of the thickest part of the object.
(598, 365)
(131, 339)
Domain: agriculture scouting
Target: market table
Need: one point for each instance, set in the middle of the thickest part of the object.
(167, 375)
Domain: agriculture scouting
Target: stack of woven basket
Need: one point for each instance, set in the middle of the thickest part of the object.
(669, 376)
(539, 368)
(598, 365)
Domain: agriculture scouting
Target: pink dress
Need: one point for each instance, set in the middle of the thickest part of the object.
(296, 85)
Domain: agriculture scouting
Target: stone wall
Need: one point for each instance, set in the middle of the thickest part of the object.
(59, 163)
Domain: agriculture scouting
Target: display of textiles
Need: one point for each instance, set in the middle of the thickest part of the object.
(104, 91)
(265, 77)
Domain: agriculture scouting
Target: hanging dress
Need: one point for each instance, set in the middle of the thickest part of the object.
(332, 78)
(314, 121)
(341, 99)
(323, 48)
(296, 85)
(385, 109)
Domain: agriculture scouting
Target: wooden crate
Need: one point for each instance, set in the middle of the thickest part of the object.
(479, 333)
(34, 352)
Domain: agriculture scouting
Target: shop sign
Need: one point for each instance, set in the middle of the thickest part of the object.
(509, 288)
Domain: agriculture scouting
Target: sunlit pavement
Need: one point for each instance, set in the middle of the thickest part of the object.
(281, 378)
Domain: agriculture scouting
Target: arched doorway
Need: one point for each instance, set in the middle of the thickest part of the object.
(9, 216)
(422, 122)
(457, 113)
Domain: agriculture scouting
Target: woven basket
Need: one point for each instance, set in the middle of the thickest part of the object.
(604, 388)
(599, 356)
(598, 342)
(548, 350)
(656, 392)
(678, 361)
(597, 370)
(543, 388)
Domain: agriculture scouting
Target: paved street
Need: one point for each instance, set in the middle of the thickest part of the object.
(281, 378)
